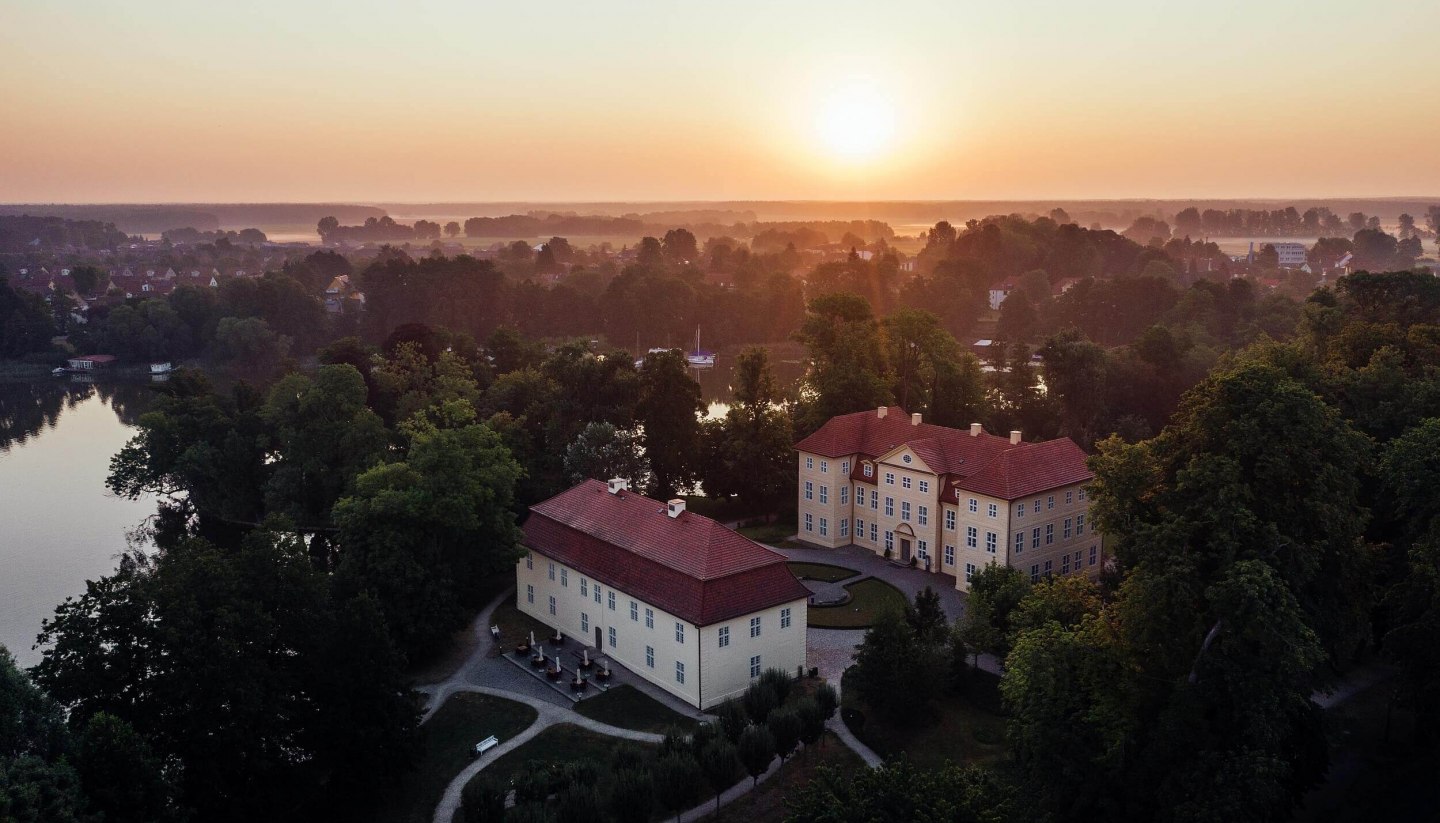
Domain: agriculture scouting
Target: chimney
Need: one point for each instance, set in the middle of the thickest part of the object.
(976, 430)
(1014, 437)
(674, 508)
(881, 411)
(618, 484)
(915, 419)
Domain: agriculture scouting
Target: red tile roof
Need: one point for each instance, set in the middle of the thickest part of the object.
(690, 566)
(1027, 469)
(983, 463)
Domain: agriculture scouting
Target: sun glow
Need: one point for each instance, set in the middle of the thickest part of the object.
(856, 121)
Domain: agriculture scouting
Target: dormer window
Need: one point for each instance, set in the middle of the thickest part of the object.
(869, 470)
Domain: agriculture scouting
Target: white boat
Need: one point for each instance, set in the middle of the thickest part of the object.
(699, 358)
(59, 371)
(161, 368)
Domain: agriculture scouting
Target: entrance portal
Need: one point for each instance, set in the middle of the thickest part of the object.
(904, 550)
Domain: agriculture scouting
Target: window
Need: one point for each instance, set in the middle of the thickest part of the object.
(994, 510)
(904, 509)
(859, 528)
(874, 533)
(1037, 505)
(825, 466)
(844, 527)
(610, 599)
(889, 507)
(972, 537)
(584, 587)
(650, 656)
(874, 499)
(1019, 542)
(992, 542)
(680, 633)
(755, 666)
(552, 571)
(634, 611)
(809, 462)
(869, 470)
(597, 593)
(584, 622)
(889, 478)
(844, 495)
(611, 632)
(949, 520)
(824, 527)
(565, 577)
(923, 550)
(974, 506)
(924, 486)
(1020, 510)
(889, 541)
(1082, 495)
(1049, 533)
(724, 636)
(1069, 498)
(1092, 555)
(845, 467)
(923, 515)
(1049, 567)
(905, 482)
(679, 672)
(969, 572)
(649, 618)
(785, 618)
(1035, 538)
(859, 495)
(1034, 574)
(809, 522)
(1079, 524)
(907, 458)
(529, 562)
(824, 494)
(1050, 502)
(1065, 564)
(1077, 561)
(529, 594)
(809, 490)
(552, 604)
(949, 555)
(754, 627)
(1065, 533)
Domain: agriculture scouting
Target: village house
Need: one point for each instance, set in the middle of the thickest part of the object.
(948, 500)
(675, 597)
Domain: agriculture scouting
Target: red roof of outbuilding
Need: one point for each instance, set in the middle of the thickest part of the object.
(690, 566)
(983, 463)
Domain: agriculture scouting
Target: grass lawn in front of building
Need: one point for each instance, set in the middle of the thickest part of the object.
(965, 728)
(447, 741)
(868, 599)
(766, 802)
(629, 708)
(824, 572)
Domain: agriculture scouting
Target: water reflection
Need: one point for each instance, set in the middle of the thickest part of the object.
(717, 382)
(30, 407)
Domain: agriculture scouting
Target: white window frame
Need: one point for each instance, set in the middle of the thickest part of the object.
(755, 627)
(722, 636)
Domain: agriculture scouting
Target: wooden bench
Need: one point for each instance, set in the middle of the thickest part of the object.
(486, 745)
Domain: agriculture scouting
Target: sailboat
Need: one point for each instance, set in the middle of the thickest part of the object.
(699, 358)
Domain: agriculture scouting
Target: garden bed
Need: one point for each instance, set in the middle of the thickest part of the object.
(823, 572)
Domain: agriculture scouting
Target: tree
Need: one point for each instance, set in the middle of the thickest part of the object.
(757, 749)
(249, 347)
(846, 361)
(827, 699)
(678, 782)
(927, 617)
(680, 247)
(668, 413)
(720, 763)
(732, 718)
(895, 674)
(898, 790)
(602, 452)
(785, 729)
(750, 451)
(123, 778)
(995, 592)
(812, 721)
(452, 229)
(88, 279)
(630, 795)
(1018, 318)
(759, 700)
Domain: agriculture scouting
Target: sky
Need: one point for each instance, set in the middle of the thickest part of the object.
(475, 100)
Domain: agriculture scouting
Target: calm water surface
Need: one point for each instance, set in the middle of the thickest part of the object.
(59, 526)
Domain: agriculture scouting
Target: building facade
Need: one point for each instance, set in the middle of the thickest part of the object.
(675, 597)
(953, 500)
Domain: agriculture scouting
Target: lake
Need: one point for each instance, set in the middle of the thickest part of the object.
(59, 526)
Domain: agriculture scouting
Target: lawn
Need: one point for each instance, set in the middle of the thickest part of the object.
(463, 721)
(777, 533)
(821, 571)
(515, 626)
(562, 743)
(629, 708)
(868, 598)
(965, 728)
(766, 802)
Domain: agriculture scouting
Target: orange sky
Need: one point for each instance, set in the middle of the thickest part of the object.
(431, 101)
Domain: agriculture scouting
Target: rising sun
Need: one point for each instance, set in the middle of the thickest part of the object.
(856, 121)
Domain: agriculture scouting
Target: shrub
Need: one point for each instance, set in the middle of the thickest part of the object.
(784, 725)
(779, 680)
(482, 801)
(812, 720)
(757, 749)
(733, 719)
(760, 699)
(631, 796)
(678, 782)
(827, 699)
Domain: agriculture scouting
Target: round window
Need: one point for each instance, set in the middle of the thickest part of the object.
(906, 458)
